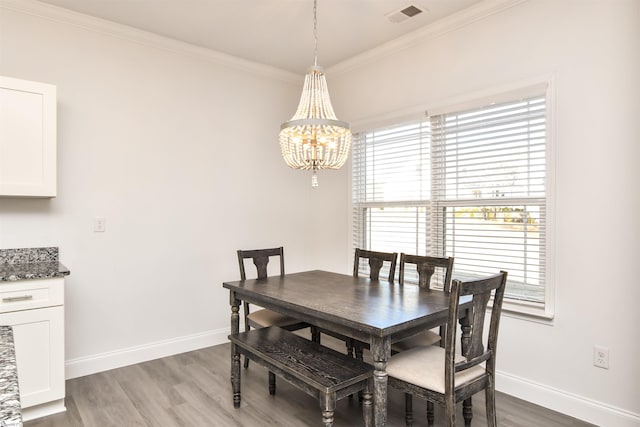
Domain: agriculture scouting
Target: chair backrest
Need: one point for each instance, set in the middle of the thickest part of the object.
(376, 261)
(260, 260)
(475, 353)
(426, 267)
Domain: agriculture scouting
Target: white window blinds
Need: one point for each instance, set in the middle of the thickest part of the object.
(469, 184)
(489, 198)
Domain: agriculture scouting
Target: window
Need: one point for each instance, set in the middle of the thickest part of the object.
(469, 183)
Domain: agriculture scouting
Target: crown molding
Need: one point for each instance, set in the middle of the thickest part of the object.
(445, 25)
(109, 28)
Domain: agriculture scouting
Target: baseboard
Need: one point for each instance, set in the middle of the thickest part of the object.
(43, 410)
(82, 366)
(570, 404)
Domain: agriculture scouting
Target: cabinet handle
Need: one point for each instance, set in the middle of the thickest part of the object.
(14, 299)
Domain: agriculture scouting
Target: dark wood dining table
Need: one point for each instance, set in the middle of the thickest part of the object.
(375, 312)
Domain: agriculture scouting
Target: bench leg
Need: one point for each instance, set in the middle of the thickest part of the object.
(328, 406)
(367, 405)
(235, 375)
(272, 383)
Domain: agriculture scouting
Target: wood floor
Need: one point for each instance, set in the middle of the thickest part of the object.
(193, 389)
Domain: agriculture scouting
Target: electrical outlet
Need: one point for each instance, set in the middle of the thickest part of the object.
(601, 357)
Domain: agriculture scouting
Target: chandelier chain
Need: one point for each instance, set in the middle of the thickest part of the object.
(315, 32)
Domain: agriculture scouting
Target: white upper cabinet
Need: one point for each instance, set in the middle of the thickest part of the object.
(27, 138)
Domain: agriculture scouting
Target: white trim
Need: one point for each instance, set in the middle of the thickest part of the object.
(112, 29)
(550, 190)
(128, 356)
(43, 410)
(570, 404)
(450, 23)
(445, 25)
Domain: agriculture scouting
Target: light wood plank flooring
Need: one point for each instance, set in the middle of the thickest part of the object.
(193, 389)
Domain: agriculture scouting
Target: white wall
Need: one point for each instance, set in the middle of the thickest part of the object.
(180, 153)
(155, 140)
(591, 48)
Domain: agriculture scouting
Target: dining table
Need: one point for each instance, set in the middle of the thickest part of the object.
(375, 312)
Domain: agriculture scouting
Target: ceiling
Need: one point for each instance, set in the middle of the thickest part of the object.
(278, 33)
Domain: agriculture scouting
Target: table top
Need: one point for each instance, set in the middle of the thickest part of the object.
(374, 307)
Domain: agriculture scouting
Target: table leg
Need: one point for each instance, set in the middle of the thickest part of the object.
(235, 355)
(465, 324)
(380, 352)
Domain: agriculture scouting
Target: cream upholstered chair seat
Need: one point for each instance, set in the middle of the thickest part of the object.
(423, 366)
(425, 338)
(265, 318)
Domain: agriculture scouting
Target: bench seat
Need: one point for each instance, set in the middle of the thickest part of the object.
(319, 371)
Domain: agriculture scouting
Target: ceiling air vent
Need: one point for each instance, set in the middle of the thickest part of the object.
(404, 13)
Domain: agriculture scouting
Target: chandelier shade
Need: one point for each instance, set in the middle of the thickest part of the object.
(314, 138)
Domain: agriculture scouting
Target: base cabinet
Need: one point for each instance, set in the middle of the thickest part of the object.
(39, 343)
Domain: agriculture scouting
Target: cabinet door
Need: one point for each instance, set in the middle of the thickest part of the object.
(39, 340)
(27, 138)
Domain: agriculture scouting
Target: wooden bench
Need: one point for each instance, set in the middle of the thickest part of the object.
(319, 371)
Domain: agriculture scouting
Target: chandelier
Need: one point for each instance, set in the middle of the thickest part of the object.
(314, 138)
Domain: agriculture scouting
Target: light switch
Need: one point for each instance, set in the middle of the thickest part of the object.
(99, 224)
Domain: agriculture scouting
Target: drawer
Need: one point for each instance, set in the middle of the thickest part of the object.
(30, 294)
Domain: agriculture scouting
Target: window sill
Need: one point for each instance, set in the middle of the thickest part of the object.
(528, 311)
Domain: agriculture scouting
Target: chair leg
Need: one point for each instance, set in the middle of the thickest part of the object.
(408, 409)
(272, 383)
(359, 352)
(490, 401)
(450, 411)
(430, 413)
(246, 329)
(467, 412)
(349, 344)
(359, 355)
(315, 334)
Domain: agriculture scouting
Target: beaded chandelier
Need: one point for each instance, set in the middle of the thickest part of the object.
(314, 138)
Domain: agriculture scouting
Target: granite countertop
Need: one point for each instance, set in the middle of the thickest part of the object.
(10, 409)
(30, 263)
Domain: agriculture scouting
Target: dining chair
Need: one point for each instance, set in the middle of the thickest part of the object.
(376, 261)
(426, 267)
(438, 374)
(263, 318)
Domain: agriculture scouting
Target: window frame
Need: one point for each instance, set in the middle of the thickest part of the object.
(541, 312)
